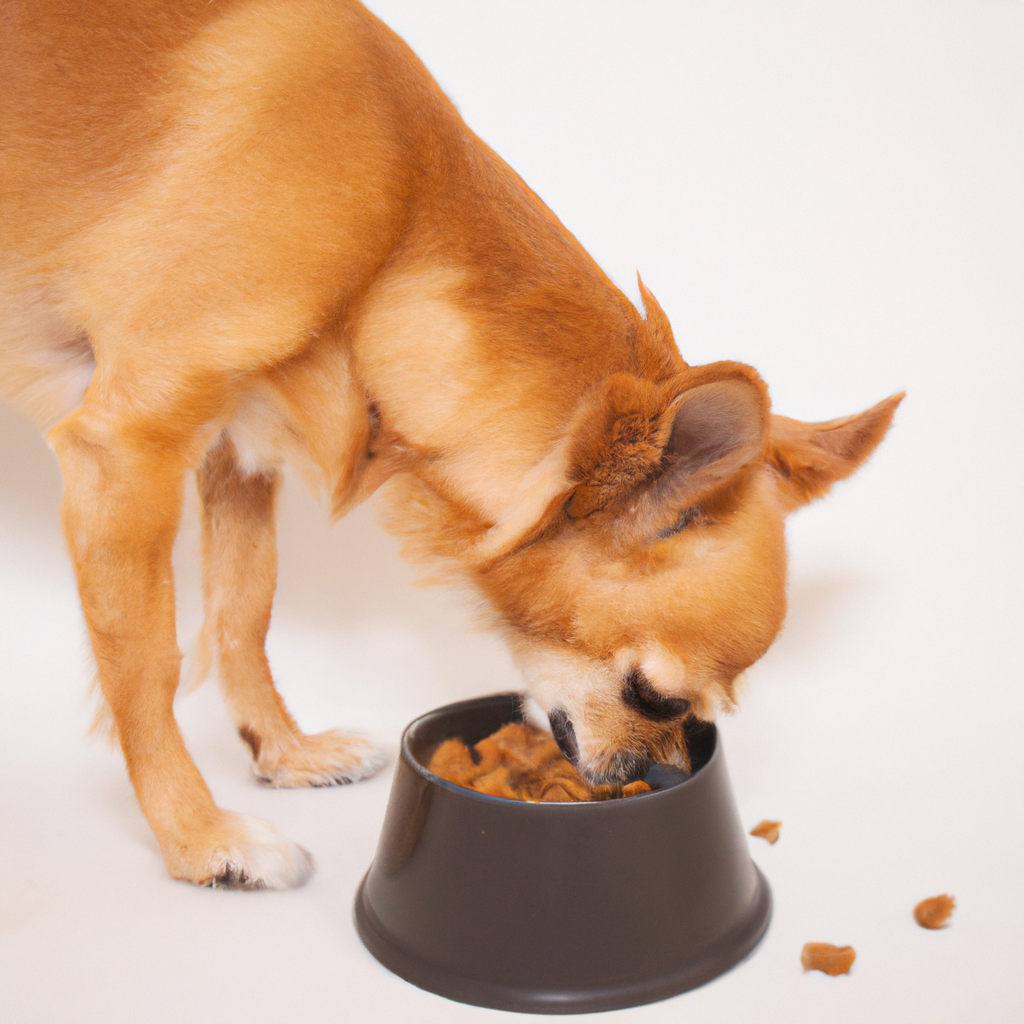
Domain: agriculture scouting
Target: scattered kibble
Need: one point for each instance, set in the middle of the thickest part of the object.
(934, 912)
(767, 830)
(829, 959)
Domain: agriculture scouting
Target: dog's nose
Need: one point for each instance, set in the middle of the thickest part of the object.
(565, 734)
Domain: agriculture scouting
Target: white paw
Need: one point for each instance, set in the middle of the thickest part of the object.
(254, 855)
(324, 759)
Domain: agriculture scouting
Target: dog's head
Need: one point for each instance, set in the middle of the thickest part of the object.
(656, 573)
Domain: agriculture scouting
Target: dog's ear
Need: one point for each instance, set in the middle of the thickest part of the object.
(616, 440)
(648, 464)
(658, 328)
(717, 429)
(810, 457)
(656, 348)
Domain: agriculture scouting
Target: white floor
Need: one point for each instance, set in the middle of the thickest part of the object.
(831, 192)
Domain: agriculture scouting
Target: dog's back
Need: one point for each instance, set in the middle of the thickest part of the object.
(160, 159)
(230, 178)
(99, 95)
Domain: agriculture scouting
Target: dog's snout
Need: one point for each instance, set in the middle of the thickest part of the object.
(565, 734)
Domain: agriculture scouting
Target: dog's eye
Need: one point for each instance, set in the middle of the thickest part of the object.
(687, 517)
(642, 697)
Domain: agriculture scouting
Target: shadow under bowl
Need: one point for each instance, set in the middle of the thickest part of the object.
(558, 907)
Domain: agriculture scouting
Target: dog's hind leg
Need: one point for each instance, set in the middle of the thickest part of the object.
(124, 473)
(240, 574)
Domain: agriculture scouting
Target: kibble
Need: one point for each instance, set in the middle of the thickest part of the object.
(767, 830)
(521, 762)
(934, 912)
(829, 959)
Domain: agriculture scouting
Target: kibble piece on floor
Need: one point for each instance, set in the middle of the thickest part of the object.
(767, 830)
(934, 912)
(829, 959)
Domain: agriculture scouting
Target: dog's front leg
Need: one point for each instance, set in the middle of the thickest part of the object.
(121, 508)
(239, 577)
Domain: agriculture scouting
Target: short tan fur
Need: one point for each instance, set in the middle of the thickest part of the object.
(237, 233)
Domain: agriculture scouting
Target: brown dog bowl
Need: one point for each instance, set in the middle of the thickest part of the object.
(558, 907)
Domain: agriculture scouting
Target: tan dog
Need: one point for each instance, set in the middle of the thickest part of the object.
(241, 232)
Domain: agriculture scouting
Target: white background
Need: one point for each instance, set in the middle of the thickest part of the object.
(830, 192)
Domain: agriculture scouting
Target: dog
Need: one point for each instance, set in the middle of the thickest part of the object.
(239, 233)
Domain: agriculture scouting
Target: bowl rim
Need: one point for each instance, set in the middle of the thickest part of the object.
(555, 806)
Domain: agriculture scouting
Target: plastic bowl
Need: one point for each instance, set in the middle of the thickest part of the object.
(558, 907)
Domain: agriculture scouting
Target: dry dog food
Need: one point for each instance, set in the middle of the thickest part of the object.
(767, 830)
(521, 762)
(934, 912)
(829, 959)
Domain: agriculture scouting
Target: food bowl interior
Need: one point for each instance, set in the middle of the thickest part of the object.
(474, 721)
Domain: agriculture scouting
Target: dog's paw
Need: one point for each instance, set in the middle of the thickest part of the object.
(239, 852)
(324, 759)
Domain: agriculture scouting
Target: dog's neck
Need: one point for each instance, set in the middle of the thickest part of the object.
(481, 344)
(475, 399)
